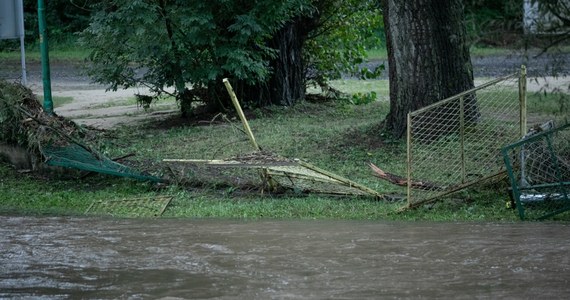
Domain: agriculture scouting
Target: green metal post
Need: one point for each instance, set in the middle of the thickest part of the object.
(48, 103)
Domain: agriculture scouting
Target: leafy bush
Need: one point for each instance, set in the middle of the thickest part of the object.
(163, 44)
(363, 98)
(168, 44)
(339, 46)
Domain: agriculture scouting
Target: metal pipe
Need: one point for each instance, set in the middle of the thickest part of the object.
(44, 49)
(522, 101)
(20, 12)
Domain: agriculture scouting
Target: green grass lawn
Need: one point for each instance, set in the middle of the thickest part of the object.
(336, 136)
(68, 51)
(382, 54)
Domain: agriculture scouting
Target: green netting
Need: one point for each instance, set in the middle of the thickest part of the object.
(77, 157)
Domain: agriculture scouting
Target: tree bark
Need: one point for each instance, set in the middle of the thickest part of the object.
(286, 84)
(428, 56)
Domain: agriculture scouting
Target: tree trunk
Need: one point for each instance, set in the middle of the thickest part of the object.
(286, 84)
(428, 57)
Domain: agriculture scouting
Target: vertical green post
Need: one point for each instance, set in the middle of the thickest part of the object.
(48, 103)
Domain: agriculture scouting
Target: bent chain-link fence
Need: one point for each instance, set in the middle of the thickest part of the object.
(457, 142)
(539, 170)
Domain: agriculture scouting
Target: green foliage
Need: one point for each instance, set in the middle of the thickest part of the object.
(489, 22)
(168, 44)
(163, 44)
(339, 46)
(363, 98)
(350, 140)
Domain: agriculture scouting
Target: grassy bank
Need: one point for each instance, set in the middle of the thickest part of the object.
(382, 54)
(67, 51)
(339, 137)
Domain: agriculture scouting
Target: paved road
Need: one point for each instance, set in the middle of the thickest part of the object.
(65, 75)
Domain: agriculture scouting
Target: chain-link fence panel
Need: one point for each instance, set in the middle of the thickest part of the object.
(539, 170)
(136, 207)
(276, 172)
(457, 142)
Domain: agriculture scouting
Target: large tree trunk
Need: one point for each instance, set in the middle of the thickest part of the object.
(428, 57)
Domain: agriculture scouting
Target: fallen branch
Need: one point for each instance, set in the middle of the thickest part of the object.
(402, 181)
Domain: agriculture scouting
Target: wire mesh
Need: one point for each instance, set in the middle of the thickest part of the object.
(456, 142)
(137, 207)
(77, 157)
(539, 170)
(290, 174)
(308, 180)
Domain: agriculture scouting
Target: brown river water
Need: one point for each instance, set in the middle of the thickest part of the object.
(90, 258)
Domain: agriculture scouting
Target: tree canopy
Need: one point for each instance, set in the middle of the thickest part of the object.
(173, 43)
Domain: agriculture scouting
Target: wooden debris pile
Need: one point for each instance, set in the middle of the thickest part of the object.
(24, 124)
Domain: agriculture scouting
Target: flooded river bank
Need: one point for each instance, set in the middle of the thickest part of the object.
(61, 258)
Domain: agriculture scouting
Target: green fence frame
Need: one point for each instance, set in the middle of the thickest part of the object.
(561, 183)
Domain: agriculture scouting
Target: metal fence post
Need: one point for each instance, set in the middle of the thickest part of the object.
(462, 136)
(409, 158)
(44, 49)
(522, 100)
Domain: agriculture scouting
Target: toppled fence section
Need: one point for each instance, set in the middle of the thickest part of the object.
(136, 207)
(457, 142)
(539, 171)
(292, 174)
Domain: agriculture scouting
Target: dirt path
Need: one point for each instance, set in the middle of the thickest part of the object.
(99, 108)
(94, 106)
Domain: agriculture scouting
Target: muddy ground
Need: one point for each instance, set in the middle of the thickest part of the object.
(91, 103)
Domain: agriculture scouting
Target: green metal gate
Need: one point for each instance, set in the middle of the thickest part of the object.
(539, 171)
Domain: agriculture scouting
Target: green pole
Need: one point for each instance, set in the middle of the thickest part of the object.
(48, 103)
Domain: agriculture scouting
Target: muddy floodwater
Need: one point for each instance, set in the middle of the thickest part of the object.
(73, 258)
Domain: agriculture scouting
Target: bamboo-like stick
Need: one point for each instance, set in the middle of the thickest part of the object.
(240, 113)
(264, 176)
(452, 190)
(230, 163)
(168, 199)
(341, 179)
(301, 176)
